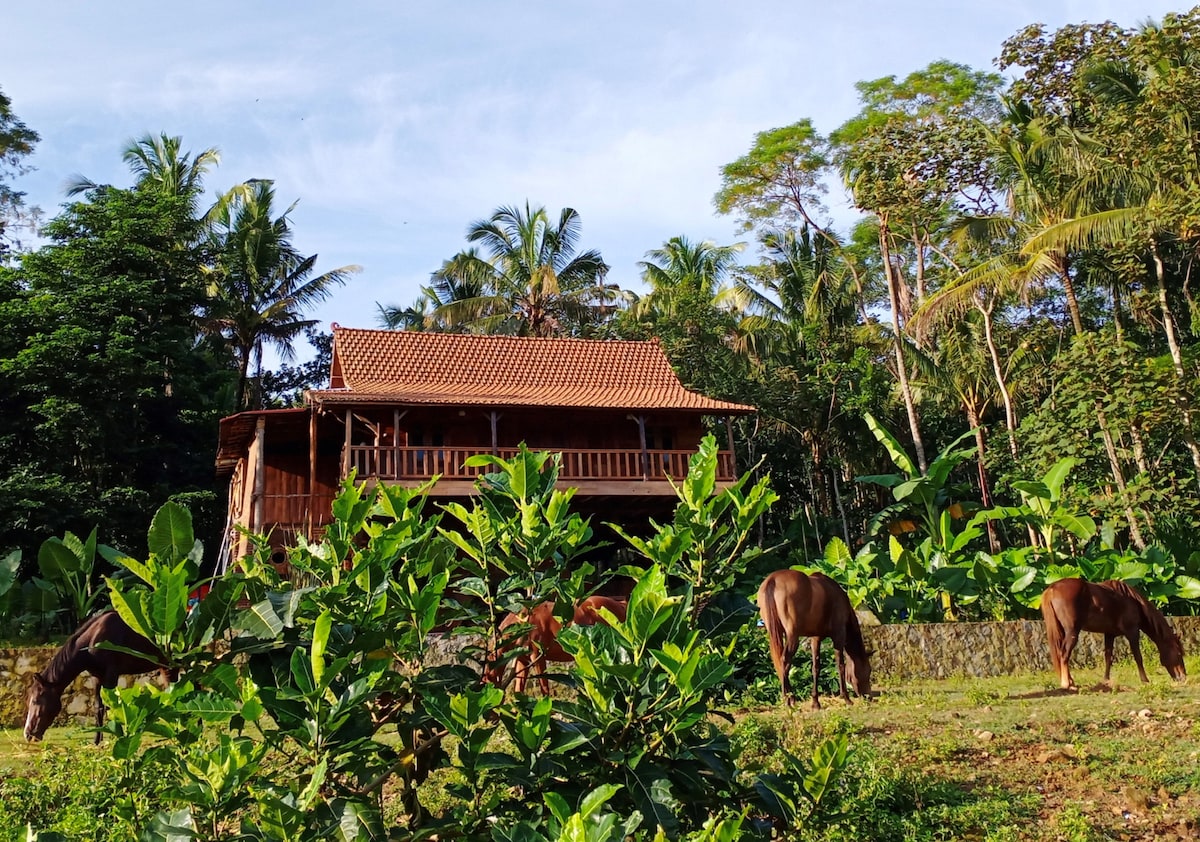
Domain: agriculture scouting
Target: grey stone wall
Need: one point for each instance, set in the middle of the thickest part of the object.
(942, 650)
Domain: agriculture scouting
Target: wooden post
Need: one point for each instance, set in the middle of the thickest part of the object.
(732, 452)
(312, 470)
(346, 446)
(640, 420)
(495, 418)
(260, 475)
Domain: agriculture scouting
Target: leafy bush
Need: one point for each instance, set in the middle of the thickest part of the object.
(322, 697)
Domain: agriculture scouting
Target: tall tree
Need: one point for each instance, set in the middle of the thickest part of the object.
(16, 144)
(260, 286)
(108, 407)
(911, 156)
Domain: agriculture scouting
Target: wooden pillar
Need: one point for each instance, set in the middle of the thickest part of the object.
(729, 438)
(494, 417)
(640, 420)
(260, 476)
(346, 446)
(312, 472)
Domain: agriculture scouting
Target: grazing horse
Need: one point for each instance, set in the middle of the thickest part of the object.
(540, 642)
(795, 605)
(80, 654)
(1112, 608)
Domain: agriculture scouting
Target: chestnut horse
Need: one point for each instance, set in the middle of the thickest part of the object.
(795, 605)
(80, 654)
(1112, 608)
(540, 641)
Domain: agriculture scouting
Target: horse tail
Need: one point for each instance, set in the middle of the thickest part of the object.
(770, 617)
(1054, 629)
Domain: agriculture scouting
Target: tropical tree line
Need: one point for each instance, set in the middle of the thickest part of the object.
(138, 323)
(1020, 273)
(1021, 269)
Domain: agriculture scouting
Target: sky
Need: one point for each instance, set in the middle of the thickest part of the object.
(397, 124)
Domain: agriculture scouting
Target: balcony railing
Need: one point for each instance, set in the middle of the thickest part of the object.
(417, 463)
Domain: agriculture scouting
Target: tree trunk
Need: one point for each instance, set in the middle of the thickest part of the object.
(1168, 319)
(985, 491)
(898, 339)
(1135, 532)
(1010, 412)
(1064, 272)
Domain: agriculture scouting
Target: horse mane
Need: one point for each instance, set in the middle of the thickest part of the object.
(63, 665)
(855, 646)
(1153, 622)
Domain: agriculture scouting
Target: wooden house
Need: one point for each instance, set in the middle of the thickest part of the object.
(403, 407)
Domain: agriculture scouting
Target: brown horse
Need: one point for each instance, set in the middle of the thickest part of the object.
(795, 605)
(540, 641)
(1112, 608)
(80, 654)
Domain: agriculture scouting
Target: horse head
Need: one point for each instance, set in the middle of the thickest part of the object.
(1171, 656)
(858, 671)
(43, 701)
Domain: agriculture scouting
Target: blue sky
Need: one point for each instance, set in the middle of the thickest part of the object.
(397, 124)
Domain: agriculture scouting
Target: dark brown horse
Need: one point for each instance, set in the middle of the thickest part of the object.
(795, 605)
(1112, 608)
(540, 641)
(80, 654)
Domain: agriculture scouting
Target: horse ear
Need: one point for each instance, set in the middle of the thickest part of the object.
(37, 679)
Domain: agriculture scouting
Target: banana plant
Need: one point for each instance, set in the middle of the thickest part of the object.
(1042, 507)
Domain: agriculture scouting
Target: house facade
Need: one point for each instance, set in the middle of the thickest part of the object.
(404, 407)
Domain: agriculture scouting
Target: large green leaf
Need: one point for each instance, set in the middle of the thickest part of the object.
(171, 537)
(899, 457)
(55, 559)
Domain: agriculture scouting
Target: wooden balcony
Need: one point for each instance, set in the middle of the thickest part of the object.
(614, 472)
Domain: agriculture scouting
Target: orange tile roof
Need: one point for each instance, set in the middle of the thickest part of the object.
(449, 368)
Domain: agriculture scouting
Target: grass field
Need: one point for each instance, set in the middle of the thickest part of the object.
(998, 759)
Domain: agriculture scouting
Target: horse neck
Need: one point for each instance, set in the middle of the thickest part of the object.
(1154, 624)
(66, 664)
(855, 646)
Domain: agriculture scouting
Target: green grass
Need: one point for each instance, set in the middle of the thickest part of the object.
(994, 760)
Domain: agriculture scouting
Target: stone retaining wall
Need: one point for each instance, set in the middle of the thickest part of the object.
(942, 650)
(898, 653)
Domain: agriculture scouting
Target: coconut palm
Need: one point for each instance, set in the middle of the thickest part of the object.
(529, 278)
(682, 269)
(260, 286)
(158, 163)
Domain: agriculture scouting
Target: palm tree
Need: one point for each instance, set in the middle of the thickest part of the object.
(685, 269)
(159, 164)
(1150, 187)
(260, 286)
(529, 279)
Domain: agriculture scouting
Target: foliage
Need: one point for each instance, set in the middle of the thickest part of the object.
(69, 564)
(106, 396)
(324, 695)
(16, 143)
(707, 547)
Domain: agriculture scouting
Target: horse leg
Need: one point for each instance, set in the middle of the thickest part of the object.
(841, 668)
(1109, 639)
(1070, 638)
(100, 684)
(783, 668)
(1135, 646)
(816, 670)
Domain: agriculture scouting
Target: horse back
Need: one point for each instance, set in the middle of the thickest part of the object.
(110, 628)
(1088, 606)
